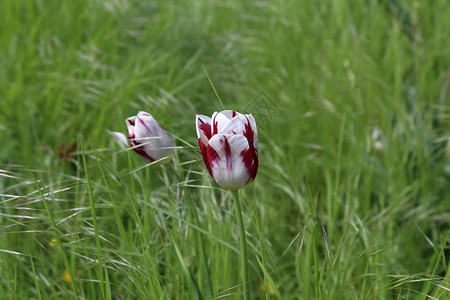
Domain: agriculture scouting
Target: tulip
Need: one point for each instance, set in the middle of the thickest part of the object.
(229, 145)
(148, 138)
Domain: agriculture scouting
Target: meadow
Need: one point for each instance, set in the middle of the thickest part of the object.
(351, 100)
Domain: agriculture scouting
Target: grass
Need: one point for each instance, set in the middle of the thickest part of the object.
(351, 197)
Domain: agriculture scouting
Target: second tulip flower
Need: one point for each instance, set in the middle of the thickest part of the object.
(148, 138)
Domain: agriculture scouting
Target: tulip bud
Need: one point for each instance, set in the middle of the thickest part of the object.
(229, 145)
(148, 139)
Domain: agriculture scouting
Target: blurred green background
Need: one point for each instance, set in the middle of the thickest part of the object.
(351, 200)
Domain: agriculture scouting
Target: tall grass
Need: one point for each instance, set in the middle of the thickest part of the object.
(351, 200)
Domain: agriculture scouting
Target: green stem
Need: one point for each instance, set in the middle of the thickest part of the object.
(95, 224)
(245, 282)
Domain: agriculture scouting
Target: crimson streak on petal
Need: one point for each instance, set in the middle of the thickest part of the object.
(228, 158)
(215, 123)
(250, 135)
(204, 150)
(143, 123)
(212, 157)
(250, 164)
(206, 128)
(140, 150)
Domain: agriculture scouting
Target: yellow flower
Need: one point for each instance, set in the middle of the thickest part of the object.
(268, 291)
(66, 276)
(52, 243)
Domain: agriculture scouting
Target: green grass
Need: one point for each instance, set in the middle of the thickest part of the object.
(331, 214)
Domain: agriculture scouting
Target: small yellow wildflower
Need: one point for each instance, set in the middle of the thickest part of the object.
(269, 290)
(66, 276)
(52, 243)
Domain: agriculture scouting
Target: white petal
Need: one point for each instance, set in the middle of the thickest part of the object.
(243, 124)
(120, 138)
(143, 114)
(163, 149)
(145, 126)
(203, 126)
(225, 158)
(218, 122)
(230, 114)
(130, 125)
(236, 125)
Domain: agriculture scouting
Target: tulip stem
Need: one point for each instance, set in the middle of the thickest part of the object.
(244, 269)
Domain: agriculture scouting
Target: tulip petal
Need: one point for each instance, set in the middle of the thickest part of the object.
(250, 131)
(221, 119)
(230, 114)
(203, 126)
(230, 161)
(146, 126)
(120, 138)
(144, 114)
(250, 159)
(251, 134)
(236, 125)
(130, 124)
(140, 150)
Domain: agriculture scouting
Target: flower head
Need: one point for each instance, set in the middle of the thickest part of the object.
(378, 139)
(148, 138)
(53, 242)
(66, 276)
(229, 145)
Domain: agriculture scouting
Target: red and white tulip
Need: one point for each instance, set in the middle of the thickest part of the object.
(229, 145)
(148, 138)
